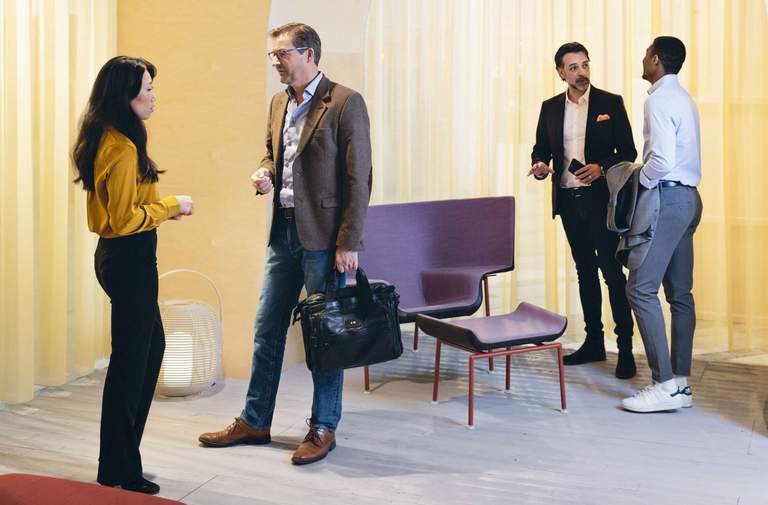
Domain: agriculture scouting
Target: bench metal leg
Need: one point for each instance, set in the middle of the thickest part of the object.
(415, 337)
(561, 369)
(509, 365)
(471, 420)
(437, 371)
(366, 379)
(487, 312)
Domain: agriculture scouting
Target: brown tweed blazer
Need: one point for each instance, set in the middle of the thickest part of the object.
(332, 169)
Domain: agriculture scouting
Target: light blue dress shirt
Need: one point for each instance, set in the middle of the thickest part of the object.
(295, 117)
(672, 149)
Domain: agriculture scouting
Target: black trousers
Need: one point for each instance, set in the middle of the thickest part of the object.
(583, 213)
(126, 268)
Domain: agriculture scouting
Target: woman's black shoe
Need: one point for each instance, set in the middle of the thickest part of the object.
(140, 486)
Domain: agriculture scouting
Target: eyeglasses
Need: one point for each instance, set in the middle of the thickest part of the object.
(281, 54)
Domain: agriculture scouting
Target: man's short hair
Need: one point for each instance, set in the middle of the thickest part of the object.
(301, 36)
(570, 47)
(671, 52)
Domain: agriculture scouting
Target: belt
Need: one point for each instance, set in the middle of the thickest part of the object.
(576, 192)
(672, 184)
(287, 212)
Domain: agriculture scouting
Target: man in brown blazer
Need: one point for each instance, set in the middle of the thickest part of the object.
(318, 161)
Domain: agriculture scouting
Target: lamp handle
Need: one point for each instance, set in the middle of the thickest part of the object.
(190, 271)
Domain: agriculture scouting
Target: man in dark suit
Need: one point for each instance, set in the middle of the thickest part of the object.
(584, 132)
(318, 160)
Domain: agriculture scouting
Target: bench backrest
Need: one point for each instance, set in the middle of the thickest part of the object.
(403, 240)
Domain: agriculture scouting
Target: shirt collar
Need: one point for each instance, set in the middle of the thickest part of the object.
(310, 90)
(665, 80)
(582, 99)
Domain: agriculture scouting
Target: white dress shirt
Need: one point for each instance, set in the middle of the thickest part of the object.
(672, 149)
(295, 117)
(574, 135)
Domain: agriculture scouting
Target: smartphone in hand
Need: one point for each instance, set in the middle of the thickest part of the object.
(575, 166)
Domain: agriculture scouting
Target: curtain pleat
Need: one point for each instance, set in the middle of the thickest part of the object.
(52, 312)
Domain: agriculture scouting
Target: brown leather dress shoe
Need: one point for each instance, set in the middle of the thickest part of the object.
(316, 445)
(236, 433)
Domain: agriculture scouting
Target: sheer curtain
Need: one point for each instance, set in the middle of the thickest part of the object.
(53, 316)
(454, 89)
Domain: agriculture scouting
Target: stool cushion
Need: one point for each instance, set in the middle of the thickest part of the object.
(25, 489)
(528, 324)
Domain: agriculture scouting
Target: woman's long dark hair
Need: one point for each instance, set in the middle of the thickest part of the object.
(118, 82)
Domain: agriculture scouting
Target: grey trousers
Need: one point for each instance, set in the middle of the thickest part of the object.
(669, 262)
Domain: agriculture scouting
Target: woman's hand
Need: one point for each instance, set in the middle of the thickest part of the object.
(186, 205)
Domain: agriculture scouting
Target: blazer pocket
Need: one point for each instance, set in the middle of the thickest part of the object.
(329, 203)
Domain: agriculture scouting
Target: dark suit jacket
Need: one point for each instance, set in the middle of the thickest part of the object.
(607, 142)
(332, 169)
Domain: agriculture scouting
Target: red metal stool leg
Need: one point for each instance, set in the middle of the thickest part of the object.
(415, 337)
(561, 368)
(366, 379)
(471, 420)
(437, 371)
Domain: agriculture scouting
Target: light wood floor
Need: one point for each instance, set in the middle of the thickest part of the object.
(395, 447)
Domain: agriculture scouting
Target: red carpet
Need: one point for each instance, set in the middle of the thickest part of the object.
(25, 489)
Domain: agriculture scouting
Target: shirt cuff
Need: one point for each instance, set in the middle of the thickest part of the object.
(645, 181)
(173, 205)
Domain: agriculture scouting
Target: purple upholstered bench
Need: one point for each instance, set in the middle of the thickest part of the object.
(438, 254)
(529, 328)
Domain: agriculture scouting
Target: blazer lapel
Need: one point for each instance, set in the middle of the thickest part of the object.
(316, 111)
(559, 117)
(594, 98)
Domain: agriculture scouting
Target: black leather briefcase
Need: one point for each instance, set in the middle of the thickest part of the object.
(350, 327)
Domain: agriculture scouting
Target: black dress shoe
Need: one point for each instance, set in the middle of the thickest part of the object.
(625, 366)
(587, 353)
(139, 486)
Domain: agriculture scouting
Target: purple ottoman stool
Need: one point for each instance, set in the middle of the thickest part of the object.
(528, 329)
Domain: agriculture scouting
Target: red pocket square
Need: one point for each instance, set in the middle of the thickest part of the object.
(603, 117)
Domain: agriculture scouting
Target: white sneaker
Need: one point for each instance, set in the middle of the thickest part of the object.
(687, 395)
(653, 399)
(685, 391)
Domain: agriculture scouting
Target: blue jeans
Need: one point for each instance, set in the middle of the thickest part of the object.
(289, 267)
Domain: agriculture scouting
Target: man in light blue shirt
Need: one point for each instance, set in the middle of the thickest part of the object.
(295, 117)
(671, 166)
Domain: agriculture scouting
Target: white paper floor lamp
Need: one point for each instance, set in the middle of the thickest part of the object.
(193, 343)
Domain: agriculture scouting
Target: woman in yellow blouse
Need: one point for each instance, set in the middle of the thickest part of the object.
(125, 209)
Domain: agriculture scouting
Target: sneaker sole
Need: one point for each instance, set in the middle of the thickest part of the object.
(646, 410)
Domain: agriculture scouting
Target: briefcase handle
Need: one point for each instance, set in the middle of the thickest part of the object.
(362, 287)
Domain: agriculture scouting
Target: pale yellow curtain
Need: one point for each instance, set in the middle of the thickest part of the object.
(53, 316)
(454, 89)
